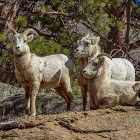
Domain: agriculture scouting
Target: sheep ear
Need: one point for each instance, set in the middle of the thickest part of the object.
(97, 40)
(11, 34)
(30, 37)
(102, 60)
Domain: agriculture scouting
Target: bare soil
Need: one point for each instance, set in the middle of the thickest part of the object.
(124, 118)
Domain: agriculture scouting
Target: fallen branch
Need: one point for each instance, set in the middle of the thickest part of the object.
(13, 125)
(77, 130)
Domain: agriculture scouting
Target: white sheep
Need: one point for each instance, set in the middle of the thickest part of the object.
(106, 92)
(88, 47)
(34, 72)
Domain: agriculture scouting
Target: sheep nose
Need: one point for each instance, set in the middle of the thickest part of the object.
(17, 47)
(84, 71)
(77, 50)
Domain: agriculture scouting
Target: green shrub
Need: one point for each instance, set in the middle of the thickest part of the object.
(41, 47)
(21, 21)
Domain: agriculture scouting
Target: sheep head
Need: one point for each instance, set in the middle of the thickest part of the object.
(94, 64)
(20, 40)
(86, 45)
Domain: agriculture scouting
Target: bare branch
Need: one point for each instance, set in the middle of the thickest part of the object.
(135, 26)
(65, 27)
(4, 46)
(48, 13)
(135, 1)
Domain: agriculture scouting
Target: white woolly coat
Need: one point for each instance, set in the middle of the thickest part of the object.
(48, 70)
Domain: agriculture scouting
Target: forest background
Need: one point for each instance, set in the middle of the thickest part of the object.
(61, 23)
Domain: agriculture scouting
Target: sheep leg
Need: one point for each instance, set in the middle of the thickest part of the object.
(27, 99)
(109, 101)
(62, 93)
(135, 100)
(92, 102)
(84, 96)
(70, 98)
(35, 88)
(69, 95)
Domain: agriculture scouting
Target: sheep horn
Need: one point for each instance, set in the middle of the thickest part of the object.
(104, 54)
(88, 41)
(87, 35)
(30, 31)
(12, 31)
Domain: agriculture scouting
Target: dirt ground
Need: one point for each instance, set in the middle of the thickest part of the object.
(124, 118)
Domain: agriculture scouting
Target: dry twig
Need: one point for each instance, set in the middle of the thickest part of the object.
(77, 130)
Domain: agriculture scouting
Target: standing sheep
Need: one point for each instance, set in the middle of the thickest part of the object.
(34, 72)
(106, 92)
(87, 47)
(120, 69)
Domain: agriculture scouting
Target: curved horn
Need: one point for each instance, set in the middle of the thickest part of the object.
(30, 31)
(12, 31)
(88, 41)
(104, 54)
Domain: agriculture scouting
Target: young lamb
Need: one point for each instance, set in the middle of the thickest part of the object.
(106, 92)
(88, 47)
(34, 72)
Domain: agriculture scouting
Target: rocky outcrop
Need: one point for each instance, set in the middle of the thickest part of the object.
(7, 90)
(12, 103)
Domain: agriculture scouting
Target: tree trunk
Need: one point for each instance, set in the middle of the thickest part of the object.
(8, 15)
(117, 37)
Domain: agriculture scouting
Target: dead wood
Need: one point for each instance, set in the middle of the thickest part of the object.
(13, 125)
(77, 130)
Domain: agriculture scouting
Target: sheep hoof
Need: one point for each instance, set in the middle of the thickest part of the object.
(25, 116)
(33, 115)
(93, 108)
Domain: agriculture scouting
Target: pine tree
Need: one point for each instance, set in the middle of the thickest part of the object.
(58, 23)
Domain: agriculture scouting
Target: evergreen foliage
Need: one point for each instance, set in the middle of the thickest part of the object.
(136, 10)
(3, 38)
(5, 56)
(95, 13)
(41, 47)
(21, 21)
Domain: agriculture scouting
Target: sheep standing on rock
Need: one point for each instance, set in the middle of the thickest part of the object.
(87, 47)
(34, 72)
(120, 68)
(106, 92)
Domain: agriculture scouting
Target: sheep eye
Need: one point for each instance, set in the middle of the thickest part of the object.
(25, 41)
(86, 44)
(95, 64)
